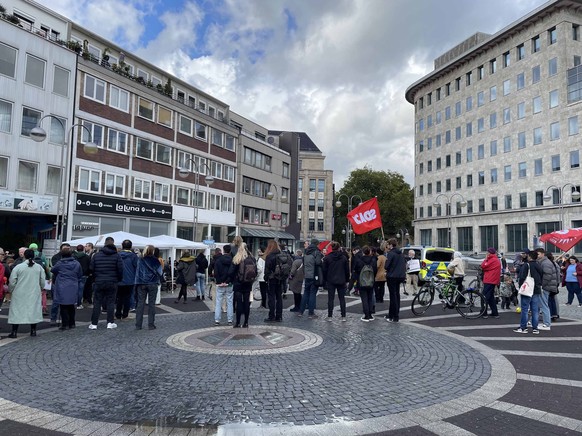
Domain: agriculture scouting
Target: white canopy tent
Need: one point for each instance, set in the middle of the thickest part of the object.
(99, 240)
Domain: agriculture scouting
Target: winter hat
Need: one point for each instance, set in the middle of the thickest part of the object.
(491, 250)
(33, 246)
(314, 241)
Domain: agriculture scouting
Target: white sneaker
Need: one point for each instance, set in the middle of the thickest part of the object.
(344, 319)
(92, 327)
(329, 319)
(111, 325)
(544, 327)
(80, 306)
(529, 323)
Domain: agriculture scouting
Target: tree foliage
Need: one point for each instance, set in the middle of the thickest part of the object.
(395, 199)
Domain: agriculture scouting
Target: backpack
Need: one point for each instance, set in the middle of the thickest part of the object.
(367, 277)
(283, 263)
(247, 270)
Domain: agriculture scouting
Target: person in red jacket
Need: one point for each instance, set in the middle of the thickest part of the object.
(491, 267)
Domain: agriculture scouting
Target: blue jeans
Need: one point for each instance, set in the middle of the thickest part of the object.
(223, 292)
(526, 303)
(573, 288)
(554, 308)
(489, 294)
(104, 292)
(150, 291)
(309, 297)
(82, 282)
(200, 288)
(545, 308)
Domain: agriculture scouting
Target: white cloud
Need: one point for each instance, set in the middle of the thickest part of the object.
(339, 74)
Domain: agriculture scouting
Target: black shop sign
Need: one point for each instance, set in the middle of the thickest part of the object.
(121, 206)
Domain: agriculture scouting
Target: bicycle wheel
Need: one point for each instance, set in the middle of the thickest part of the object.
(422, 301)
(470, 304)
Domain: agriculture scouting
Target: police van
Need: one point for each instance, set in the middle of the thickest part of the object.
(433, 260)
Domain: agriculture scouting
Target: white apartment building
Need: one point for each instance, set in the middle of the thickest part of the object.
(497, 135)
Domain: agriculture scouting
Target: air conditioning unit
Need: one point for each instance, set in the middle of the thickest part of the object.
(271, 139)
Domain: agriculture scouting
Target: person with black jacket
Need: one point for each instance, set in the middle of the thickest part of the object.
(366, 292)
(107, 269)
(275, 298)
(201, 267)
(336, 275)
(242, 289)
(533, 268)
(56, 306)
(312, 267)
(395, 275)
(84, 261)
(221, 267)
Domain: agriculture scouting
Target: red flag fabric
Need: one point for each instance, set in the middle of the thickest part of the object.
(563, 239)
(365, 217)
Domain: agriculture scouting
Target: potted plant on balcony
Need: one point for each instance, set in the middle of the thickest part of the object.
(168, 88)
(74, 45)
(105, 58)
(12, 19)
(2, 10)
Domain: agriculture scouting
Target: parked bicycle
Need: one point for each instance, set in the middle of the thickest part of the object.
(477, 284)
(470, 303)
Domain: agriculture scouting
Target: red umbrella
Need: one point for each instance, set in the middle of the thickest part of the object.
(323, 244)
(563, 239)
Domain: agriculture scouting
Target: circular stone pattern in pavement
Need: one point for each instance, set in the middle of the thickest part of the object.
(358, 371)
(256, 340)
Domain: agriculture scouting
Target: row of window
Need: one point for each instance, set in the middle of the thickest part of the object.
(259, 188)
(517, 236)
(99, 182)
(494, 204)
(28, 174)
(494, 175)
(479, 73)
(312, 185)
(95, 89)
(507, 89)
(262, 216)
(35, 71)
(311, 202)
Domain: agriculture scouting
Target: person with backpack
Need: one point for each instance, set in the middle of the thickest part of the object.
(242, 273)
(395, 276)
(201, 267)
(366, 268)
(313, 270)
(186, 270)
(275, 268)
(296, 278)
(220, 269)
(336, 274)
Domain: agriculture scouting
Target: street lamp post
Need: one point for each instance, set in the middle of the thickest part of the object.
(404, 233)
(208, 178)
(38, 134)
(575, 197)
(280, 197)
(436, 203)
(349, 230)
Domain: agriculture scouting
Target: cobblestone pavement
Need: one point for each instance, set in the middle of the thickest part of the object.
(435, 374)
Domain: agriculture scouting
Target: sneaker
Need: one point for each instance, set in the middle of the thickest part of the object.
(92, 327)
(314, 316)
(485, 317)
(544, 327)
(535, 331)
(132, 310)
(344, 319)
(371, 318)
(529, 323)
(364, 319)
(111, 325)
(80, 306)
(230, 322)
(216, 322)
(567, 304)
(520, 330)
(389, 319)
(329, 319)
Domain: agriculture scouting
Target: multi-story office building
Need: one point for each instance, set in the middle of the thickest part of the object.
(166, 153)
(37, 78)
(311, 212)
(497, 135)
(264, 179)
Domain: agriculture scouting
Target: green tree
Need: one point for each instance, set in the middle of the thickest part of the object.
(395, 199)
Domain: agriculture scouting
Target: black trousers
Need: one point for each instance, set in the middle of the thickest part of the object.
(183, 291)
(263, 286)
(122, 303)
(341, 294)
(394, 293)
(380, 290)
(367, 296)
(68, 315)
(275, 300)
(243, 305)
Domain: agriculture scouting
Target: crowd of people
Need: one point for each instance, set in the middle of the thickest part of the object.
(116, 281)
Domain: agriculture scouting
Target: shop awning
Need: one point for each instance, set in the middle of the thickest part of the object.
(263, 233)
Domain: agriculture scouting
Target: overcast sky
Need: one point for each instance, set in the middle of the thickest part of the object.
(335, 69)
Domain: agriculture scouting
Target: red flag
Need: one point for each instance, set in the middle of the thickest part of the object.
(365, 217)
(563, 239)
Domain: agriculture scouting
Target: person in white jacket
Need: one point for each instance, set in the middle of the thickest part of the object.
(412, 271)
(261, 278)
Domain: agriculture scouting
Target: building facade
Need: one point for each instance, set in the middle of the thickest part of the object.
(497, 142)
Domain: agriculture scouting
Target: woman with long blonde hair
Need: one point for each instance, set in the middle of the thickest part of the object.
(242, 289)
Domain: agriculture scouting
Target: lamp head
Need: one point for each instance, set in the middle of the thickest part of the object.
(436, 204)
(547, 197)
(270, 195)
(183, 172)
(397, 235)
(209, 180)
(462, 203)
(338, 204)
(284, 198)
(576, 195)
(38, 134)
(91, 148)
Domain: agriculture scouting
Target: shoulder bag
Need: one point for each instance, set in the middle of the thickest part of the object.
(527, 288)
